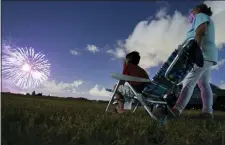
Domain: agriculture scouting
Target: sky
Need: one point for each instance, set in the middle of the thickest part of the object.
(86, 41)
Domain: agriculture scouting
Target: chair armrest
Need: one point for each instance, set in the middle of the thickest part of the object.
(128, 78)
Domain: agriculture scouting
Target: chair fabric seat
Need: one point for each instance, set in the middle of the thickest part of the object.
(155, 90)
(162, 84)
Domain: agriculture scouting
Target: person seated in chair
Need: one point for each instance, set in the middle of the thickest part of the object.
(130, 67)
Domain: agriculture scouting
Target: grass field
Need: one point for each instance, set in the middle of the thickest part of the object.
(28, 120)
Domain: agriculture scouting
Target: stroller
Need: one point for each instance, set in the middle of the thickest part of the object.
(164, 85)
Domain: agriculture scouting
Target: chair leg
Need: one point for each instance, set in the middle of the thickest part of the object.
(169, 110)
(135, 108)
(120, 82)
(143, 103)
(150, 113)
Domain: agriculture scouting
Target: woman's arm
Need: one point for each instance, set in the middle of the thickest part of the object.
(200, 26)
(200, 32)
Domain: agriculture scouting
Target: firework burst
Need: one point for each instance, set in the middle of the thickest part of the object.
(23, 67)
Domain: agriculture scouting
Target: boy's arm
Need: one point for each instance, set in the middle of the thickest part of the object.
(147, 76)
(125, 71)
(125, 68)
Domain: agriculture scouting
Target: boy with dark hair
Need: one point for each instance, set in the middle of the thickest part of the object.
(131, 68)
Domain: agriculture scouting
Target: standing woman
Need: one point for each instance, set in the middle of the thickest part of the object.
(202, 29)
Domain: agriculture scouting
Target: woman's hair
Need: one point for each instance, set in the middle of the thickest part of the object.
(133, 57)
(204, 9)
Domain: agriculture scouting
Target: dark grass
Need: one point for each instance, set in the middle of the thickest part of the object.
(28, 120)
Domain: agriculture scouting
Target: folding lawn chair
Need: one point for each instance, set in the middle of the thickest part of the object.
(163, 85)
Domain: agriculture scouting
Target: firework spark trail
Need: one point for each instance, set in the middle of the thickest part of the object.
(23, 67)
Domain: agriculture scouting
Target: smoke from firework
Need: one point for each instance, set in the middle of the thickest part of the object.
(23, 67)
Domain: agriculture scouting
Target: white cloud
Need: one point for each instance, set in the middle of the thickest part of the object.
(92, 48)
(74, 52)
(155, 40)
(219, 64)
(222, 85)
(99, 92)
(119, 51)
(24, 93)
(60, 89)
(110, 51)
(218, 8)
(161, 13)
(74, 91)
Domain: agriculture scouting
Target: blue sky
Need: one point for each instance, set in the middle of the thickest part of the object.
(57, 29)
